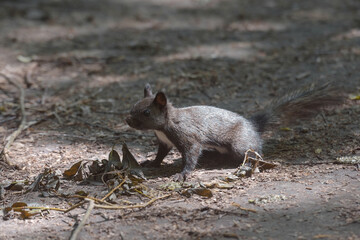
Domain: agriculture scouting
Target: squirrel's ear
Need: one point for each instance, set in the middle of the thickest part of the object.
(160, 99)
(147, 91)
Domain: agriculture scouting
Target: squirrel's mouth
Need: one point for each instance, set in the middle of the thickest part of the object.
(133, 123)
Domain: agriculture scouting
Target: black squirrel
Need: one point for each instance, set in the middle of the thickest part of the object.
(195, 129)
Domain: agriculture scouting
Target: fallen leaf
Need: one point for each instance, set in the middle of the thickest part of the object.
(24, 59)
(73, 170)
(355, 97)
(171, 186)
(204, 192)
(25, 214)
(16, 186)
(82, 193)
(114, 160)
(219, 185)
(129, 161)
(17, 205)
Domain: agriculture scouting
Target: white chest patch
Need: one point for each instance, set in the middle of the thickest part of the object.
(163, 138)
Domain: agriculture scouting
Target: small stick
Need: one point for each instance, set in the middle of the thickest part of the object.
(244, 209)
(83, 221)
(74, 206)
(113, 190)
(82, 197)
(141, 193)
(91, 198)
(245, 158)
(132, 206)
(58, 118)
(27, 77)
(41, 208)
(21, 127)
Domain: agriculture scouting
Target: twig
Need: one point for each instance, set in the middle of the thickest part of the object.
(91, 198)
(141, 193)
(22, 125)
(244, 209)
(82, 197)
(132, 206)
(91, 206)
(27, 77)
(58, 117)
(83, 221)
(246, 157)
(311, 163)
(41, 208)
(114, 189)
(74, 206)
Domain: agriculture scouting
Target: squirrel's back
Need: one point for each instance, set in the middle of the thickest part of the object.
(212, 125)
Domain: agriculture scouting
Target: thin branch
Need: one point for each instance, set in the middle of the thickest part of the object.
(141, 193)
(82, 197)
(28, 76)
(110, 207)
(114, 189)
(22, 126)
(91, 198)
(83, 221)
(41, 208)
(242, 208)
(75, 206)
(132, 206)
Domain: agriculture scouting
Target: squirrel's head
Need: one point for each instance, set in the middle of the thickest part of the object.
(150, 112)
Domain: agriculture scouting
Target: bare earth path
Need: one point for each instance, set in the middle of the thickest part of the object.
(89, 60)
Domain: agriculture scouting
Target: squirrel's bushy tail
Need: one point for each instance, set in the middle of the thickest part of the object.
(296, 105)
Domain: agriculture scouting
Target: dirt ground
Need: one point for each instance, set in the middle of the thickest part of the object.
(84, 63)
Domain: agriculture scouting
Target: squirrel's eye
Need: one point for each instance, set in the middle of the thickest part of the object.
(146, 112)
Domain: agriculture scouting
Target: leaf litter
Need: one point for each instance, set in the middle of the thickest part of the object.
(123, 177)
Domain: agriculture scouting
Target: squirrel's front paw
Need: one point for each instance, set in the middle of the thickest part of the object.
(148, 163)
(180, 177)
